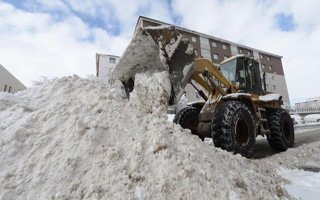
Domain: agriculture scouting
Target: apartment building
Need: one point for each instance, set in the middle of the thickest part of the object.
(310, 105)
(104, 65)
(217, 49)
(9, 83)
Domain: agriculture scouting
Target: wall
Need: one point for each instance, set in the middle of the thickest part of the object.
(105, 64)
(7, 79)
(277, 84)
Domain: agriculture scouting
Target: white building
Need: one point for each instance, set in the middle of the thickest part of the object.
(104, 65)
(9, 83)
(310, 105)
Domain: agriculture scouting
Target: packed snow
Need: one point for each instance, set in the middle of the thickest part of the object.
(301, 166)
(151, 93)
(304, 184)
(270, 97)
(74, 138)
(236, 95)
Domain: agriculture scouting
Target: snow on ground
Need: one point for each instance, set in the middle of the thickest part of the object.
(304, 184)
(72, 138)
(301, 166)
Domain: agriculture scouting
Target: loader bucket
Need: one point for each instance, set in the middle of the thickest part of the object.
(157, 49)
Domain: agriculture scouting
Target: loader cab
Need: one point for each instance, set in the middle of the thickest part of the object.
(243, 71)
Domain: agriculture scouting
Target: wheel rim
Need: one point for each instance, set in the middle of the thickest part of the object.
(242, 132)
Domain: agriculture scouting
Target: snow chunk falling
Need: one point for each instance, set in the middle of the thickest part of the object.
(151, 93)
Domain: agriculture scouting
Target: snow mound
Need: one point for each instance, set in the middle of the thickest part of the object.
(73, 138)
(151, 93)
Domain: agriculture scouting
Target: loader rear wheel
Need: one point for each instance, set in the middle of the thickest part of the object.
(281, 127)
(233, 128)
(188, 117)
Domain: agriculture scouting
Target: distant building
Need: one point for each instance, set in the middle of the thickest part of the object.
(217, 49)
(311, 105)
(104, 65)
(9, 83)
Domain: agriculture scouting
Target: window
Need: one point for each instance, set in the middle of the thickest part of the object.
(224, 46)
(215, 56)
(268, 58)
(112, 60)
(270, 67)
(214, 44)
(263, 66)
(274, 87)
(9, 89)
(261, 56)
(249, 53)
(195, 52)
(240, 51)
(194, 39)
(5, 88)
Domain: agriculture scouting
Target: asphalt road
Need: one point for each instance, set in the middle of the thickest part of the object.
(301, 137)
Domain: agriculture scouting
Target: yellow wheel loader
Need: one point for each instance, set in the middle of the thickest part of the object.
(236, 106)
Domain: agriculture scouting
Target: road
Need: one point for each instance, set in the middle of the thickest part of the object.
(301, 137)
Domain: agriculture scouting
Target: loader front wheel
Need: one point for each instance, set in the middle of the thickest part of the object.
(233, 128)
(281, 127)
(188, 117)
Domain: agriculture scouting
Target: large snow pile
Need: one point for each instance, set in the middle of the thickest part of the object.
(301, 166)
(72, 138)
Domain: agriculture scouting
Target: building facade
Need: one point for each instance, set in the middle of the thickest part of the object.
(217, 50)
(104, 65)
(311, 105)
(9, 83)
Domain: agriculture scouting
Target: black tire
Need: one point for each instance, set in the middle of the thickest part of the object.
(282, 131)
(188, 117)
(233, 128)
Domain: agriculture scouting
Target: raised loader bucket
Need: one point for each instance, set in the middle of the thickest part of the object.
(156, 49)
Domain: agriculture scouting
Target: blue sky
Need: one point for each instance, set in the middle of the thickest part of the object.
(111, 24)
(57, 38)
(285, 21)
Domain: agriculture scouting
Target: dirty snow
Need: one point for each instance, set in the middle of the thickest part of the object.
(73, 138)
(141, 54)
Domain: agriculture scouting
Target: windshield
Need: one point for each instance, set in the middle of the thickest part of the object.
(228, 69)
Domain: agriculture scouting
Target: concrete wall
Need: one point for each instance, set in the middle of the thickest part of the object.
(9, 82)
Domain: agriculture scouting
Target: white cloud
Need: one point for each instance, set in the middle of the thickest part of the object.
(34, 44)
(37, 43)
(252, 23)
